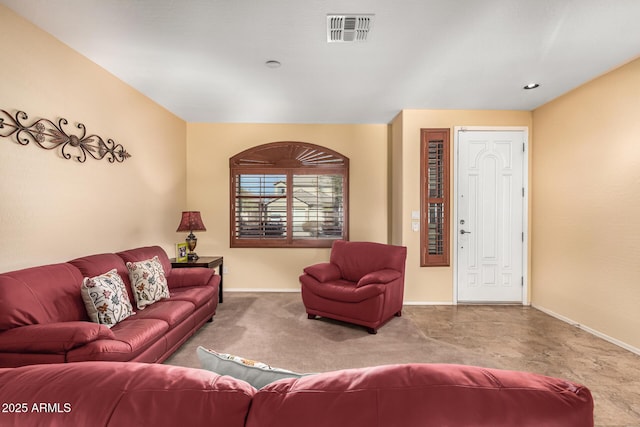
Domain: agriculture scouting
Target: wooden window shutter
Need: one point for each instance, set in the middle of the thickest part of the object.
(434, 209)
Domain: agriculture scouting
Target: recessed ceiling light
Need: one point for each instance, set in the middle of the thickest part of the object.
(272, 63)
(531, 86)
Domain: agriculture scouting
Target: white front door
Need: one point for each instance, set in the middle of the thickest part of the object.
(489, 223)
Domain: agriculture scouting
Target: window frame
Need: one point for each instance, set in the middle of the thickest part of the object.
(288, 158)
(427, 137)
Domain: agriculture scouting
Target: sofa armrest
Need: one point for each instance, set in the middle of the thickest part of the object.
(379, 277)
(183, 277)
(52, 337)
(323, 272)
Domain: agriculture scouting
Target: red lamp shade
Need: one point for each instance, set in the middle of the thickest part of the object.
(191, 221)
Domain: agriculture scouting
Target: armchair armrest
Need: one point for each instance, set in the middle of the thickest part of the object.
(323, 272)
(379, 277)
(52, 337)
(183, 277)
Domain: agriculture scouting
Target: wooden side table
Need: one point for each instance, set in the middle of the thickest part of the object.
(206, 262)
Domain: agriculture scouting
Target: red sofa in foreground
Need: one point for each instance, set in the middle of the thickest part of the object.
(44, 318)
(412, 395)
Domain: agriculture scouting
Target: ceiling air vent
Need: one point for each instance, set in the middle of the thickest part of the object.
(348, 28)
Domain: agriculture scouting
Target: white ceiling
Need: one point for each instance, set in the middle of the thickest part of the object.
(204, 60)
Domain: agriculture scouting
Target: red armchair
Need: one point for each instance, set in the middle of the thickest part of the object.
(363, 284)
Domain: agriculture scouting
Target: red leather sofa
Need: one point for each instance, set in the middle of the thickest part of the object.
(413, 395)
(43, 318)
(363, 284)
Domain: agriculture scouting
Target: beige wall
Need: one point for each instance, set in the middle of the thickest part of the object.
(431, 284)
(396, 169)
(209, 147)
(586, 205)
(52, 209)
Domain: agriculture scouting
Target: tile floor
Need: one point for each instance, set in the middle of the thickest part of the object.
(529, 340)
(273, 328)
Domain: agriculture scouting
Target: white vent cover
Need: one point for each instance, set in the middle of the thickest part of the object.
(348, 28)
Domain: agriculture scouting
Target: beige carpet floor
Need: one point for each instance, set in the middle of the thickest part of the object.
(273, 328)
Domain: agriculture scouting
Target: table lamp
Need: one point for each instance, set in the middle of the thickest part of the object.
(191, 221)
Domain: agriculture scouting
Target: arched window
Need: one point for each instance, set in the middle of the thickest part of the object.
(288, 194)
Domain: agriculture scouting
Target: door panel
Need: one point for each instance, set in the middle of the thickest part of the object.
(489, 221)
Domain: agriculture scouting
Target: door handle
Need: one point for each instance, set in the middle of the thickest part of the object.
(464, 232)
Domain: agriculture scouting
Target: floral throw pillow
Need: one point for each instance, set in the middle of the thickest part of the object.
(257, 374)
(148, 281)
(105, 298)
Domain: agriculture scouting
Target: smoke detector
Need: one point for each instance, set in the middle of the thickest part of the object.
(348, 28)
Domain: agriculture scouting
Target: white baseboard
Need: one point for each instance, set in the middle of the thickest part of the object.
(589, 330)
(427, 303)
(298, 291)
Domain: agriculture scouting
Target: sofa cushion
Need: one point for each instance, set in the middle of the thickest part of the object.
(341, 290)
(184, 277)
(44, 294)
(198, 295)
(147, 252)
(257, 374)
(148, 281)
(131, 337)
(138, 333)
(355, 259)
(106, 298)
(170, 311)
(124, 394)
(95, 265)
(415, 395)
